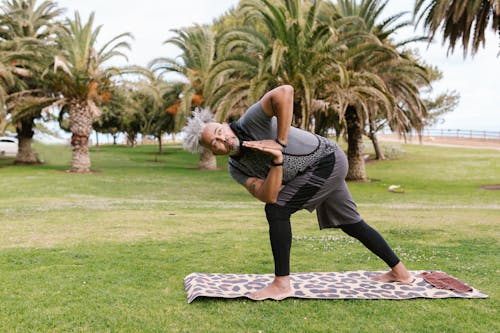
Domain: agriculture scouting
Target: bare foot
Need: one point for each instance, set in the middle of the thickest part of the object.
(279, 289)
(391, 277)
(398, 273)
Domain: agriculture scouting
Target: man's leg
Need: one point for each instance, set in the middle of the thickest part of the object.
(377, 244)
(280, 235)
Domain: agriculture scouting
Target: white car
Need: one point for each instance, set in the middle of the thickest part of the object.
(8, 146)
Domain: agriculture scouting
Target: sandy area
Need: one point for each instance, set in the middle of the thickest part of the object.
(445, 141)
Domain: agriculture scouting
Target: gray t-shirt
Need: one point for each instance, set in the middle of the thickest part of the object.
(303, 148)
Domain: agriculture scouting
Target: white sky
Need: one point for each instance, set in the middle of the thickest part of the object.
(150, 21)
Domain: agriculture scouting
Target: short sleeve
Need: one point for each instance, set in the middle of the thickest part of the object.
(237, 175)
(256, 122)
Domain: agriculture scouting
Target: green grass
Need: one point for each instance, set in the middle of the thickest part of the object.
(107, 252)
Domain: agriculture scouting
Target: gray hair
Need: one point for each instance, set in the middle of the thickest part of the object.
(194, 128)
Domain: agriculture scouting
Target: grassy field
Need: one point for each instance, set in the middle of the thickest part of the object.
(107, 252)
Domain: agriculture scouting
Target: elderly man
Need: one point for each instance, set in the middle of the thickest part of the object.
(289, 169)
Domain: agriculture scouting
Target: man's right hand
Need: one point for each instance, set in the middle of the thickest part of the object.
(270, 147)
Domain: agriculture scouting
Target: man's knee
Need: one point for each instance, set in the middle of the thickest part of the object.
(277, 213)
(356, 229)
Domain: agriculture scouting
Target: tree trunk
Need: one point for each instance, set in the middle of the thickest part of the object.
(3, 122)
(159, 144)
(131, 139)
(379, 155)
(355, 146)
(297, 114)
(81, 118)
(25, 153)
(207, 160)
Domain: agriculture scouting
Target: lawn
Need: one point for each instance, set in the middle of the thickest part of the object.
(108, 251)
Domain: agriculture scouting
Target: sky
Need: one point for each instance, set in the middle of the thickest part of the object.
(150, 21)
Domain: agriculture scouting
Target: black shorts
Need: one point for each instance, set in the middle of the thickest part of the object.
(322, 187)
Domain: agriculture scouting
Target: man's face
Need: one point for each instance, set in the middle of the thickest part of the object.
(220, 139)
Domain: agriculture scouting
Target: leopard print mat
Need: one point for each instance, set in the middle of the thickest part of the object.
(331, 285)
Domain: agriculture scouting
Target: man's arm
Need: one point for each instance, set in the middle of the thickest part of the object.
(267, 190)
(279, 102)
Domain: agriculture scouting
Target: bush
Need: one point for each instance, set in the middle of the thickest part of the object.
(393, 152)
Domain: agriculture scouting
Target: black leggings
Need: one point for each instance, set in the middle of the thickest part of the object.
(280, 234)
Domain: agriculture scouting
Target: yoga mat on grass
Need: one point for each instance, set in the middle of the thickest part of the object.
(329, 285)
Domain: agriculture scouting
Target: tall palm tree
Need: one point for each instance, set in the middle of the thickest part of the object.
(83, 81)
(30, 29)
(283, 43)
(392, 90)
(401, 73)
(459, 20)
(197, 44)
(240, 76)
(9, 56)
(354, 93)
(7, 80)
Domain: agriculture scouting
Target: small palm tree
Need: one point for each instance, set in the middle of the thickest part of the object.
(195, 63)
(83, 81)
(459, 20)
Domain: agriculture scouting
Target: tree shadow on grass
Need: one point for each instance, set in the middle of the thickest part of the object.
(6, 162)
(493, 187)
(91, 172)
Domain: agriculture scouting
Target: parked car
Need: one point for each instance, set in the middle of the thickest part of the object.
(8, 146)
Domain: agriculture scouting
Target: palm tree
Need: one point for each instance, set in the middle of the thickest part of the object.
(29, 28)
(9, 56)
(385, 81)
(7, 80)
(354, 93)
(460, 20)
(282, 43)
(83, 81)
(195, 63)
(400, 71)
(240, 77)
